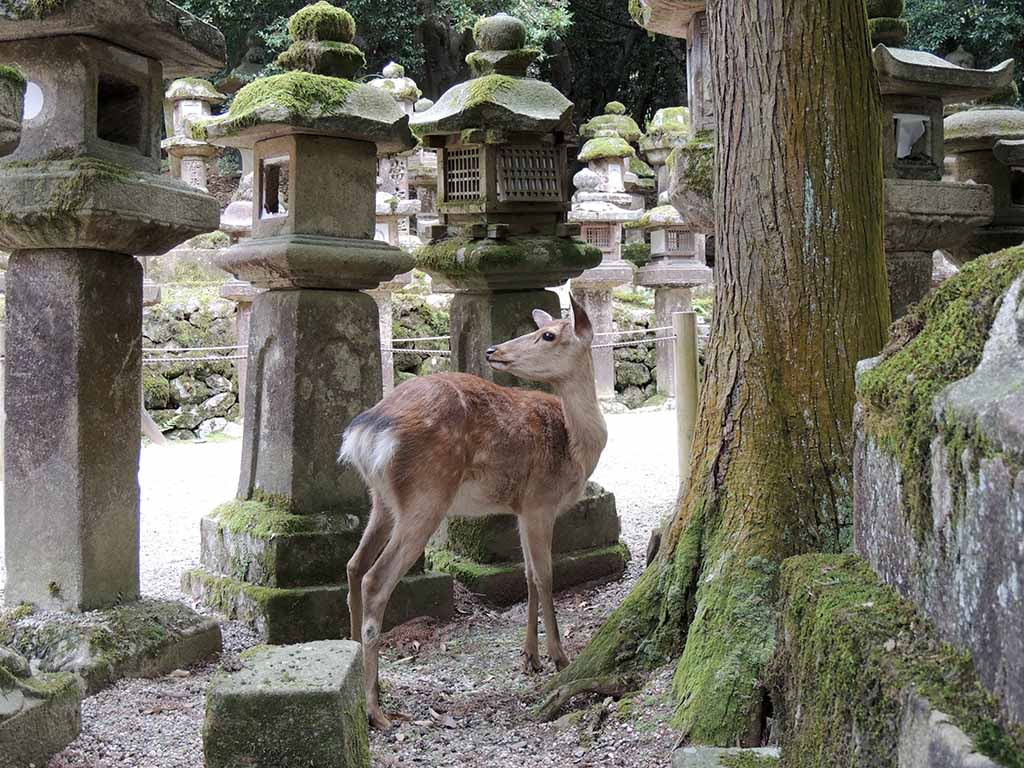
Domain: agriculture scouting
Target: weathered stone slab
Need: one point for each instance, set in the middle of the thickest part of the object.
(46, 719)
(148, 638)
(299, 614)
(300, 706)
(966, 571)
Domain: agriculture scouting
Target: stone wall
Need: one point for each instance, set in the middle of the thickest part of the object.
(190, 399)
(939, 467)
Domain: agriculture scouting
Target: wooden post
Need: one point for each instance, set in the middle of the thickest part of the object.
(684, 328)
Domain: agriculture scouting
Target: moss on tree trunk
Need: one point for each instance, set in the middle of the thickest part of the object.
(801, 296)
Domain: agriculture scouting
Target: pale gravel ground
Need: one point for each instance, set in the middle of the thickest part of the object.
(457, 686)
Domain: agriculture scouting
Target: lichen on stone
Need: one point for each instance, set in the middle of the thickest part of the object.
(939, 341)
(604, 147)
(459, 256)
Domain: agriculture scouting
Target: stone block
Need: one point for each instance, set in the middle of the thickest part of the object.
(72, 504)
(46, 718)
(300, 706)
(300, 614)
(148, 638)
(719, 757)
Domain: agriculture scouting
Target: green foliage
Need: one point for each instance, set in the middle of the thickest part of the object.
(992, 30)
(852, 648)
(938, 342)
(637, 253)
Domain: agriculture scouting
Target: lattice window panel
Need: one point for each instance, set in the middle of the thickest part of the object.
(676, 241)
(531, 174)
(598, 235)
(462, 174)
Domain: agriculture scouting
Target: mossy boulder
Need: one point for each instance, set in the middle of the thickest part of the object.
(322, 21)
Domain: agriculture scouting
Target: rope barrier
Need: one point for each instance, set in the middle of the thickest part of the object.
(620, 344)
(635, 333)
(214, 358)
(438, 352)
(193, 349)
(421, 338)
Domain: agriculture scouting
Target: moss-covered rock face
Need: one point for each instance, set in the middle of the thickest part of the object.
(12, 74)
(853, 656)
(322, 21)
(938, 342)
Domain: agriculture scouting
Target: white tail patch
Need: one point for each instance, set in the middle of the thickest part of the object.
(368, 449)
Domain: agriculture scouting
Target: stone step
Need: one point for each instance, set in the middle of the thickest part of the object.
(42, 716)
(295, 615)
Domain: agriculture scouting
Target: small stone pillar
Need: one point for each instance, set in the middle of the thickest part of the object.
(421, 172)
(678, 261)
(601, 205)
(243, 294)
(276, 556)
(972, 138)
(501, 242)
(81, 195)
(923, 213)
(190, 99)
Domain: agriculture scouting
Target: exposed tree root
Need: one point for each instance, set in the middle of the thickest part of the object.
(615, 686)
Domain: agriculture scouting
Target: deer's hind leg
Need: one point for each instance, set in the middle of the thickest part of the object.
(378, 529)
(412, 527)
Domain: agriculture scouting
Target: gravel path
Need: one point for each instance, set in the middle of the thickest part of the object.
(456, 687)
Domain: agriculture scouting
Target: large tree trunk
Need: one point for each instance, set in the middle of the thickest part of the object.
(801, 296)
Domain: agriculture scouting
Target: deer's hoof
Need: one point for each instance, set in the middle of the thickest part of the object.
(379, 721)
(561, 663)
(531, 664)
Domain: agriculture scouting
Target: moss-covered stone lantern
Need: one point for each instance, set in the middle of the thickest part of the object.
(190, 99)
(924, 213)
(978, 142)
(79, 197)
(502, 195)
(276, 556)
(501, 241)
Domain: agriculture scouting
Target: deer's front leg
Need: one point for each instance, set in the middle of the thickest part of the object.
(531, 654)
(539, 534)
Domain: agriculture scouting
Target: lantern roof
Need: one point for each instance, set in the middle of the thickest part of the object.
(397, 85)
(156, 29)
(668, 128)
(501, 96)
(306, 99)
(615, 120)
(917, 73)
(194, 89)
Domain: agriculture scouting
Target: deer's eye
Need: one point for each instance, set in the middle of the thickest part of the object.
(548, 336)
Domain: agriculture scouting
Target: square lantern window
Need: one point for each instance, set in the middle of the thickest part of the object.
(914, 137)
(530, 174)
(1017, 187)
(597, 235)
(119, 112)
(274, 187)
(679, 242)
(462, 174)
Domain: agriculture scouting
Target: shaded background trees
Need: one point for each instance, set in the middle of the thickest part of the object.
(593, 51)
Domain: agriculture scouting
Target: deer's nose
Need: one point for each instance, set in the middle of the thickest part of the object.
(490, 351)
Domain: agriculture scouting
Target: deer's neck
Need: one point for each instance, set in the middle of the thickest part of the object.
(584, 421)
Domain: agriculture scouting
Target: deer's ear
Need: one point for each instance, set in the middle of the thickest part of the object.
(581, 322)
(542, 318)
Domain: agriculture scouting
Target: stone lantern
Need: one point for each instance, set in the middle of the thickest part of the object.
(276, 556)
(923, 213)
(190, 99)
(421, 173)
(601, 206)
(81, 195)
(501, 242)
(979, 142)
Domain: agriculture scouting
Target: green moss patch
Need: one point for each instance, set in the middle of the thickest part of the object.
(323, 57)
(460, 257)
(637, 253)
(939, 341)
(697, 172)
(12, 74)
(851, 649)
(486, 88)
(605, 146)
(322, 21)
(748, 760)
(888, 31)
(81, 179)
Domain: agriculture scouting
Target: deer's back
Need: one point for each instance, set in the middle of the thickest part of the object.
(499, 446)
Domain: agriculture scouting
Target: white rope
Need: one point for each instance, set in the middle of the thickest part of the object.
(617, 345)
(635, 333)
(193, 349)
(421, 338)
(438, 352)
(215, 358)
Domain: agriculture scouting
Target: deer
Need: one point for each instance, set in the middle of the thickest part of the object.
(455, 444)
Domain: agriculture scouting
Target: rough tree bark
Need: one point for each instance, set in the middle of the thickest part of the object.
(801, 296)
